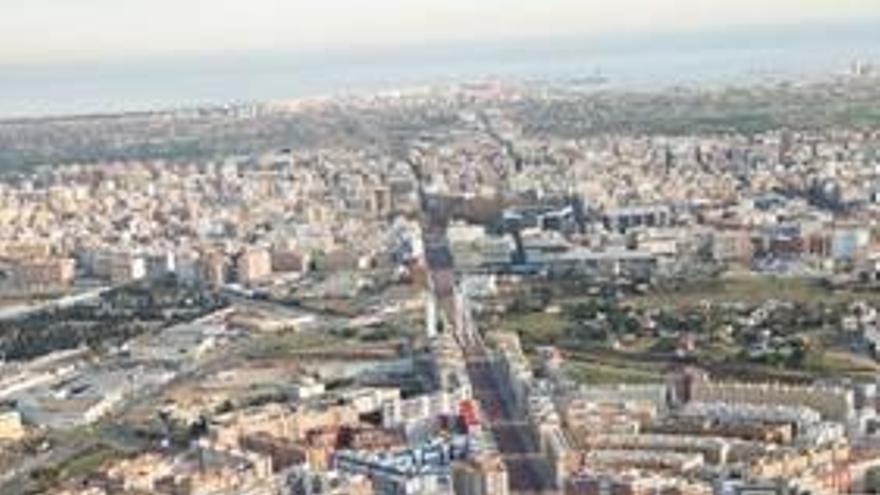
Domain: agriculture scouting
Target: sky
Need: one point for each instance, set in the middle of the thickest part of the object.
(37, 31)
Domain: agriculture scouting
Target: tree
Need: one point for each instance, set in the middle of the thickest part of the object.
(586, 310)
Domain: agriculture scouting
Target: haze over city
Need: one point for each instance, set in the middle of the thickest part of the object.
(101, 56)
(52, 30)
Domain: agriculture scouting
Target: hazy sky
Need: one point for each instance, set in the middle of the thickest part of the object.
(41, 30)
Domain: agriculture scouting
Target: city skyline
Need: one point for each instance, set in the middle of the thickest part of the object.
(440, 247)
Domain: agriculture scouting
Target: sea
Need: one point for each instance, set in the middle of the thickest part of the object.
(731, 56)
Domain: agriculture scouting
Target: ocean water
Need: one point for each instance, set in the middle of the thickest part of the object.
(732, 56)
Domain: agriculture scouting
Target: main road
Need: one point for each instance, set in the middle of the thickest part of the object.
(529, 470)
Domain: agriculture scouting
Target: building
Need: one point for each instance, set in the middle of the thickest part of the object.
(287, 260)
(732, 246)
(43, 273)
(713, 450)
(25, 250)
(119, 267)
(214, 268)
(254, 265)
(834, 404)
(582, 416)
(420, 470)
(202, 470)
(791, 464)
(305, 482)
(11, 427)
(623, 219)
(632, 483)
(485, 475)
(848, 243)
(636, 394)
(738, 413)
(380, 201)
(613, 263)
(160, 265)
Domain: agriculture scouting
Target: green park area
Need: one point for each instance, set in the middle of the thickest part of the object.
(760, 328)
(751, 290)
